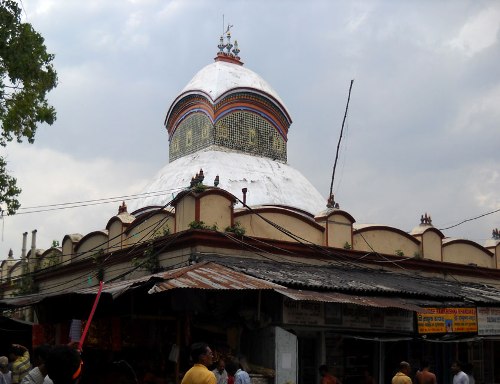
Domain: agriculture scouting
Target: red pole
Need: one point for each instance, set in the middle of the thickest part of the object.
(96, 301)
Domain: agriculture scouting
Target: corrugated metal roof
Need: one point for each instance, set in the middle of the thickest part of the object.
(208, 275)
(353, 279)
(337, 297)
(114, 289)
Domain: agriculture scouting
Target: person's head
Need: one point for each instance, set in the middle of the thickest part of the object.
(202, 354)
(456, 367)
(40, 354)
(118, 372)
(425, 364)
(4, 364)
(64, 365)
(232, 366)
(221, 365)
(323, 369)
(404, 367)
(469, 369)
(15, 352)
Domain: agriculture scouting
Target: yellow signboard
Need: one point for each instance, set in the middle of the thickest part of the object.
(442, 320)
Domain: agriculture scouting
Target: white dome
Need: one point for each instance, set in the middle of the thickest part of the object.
(268, 181)
(220, 77)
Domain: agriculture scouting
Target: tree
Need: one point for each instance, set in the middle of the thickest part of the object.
(26, 76)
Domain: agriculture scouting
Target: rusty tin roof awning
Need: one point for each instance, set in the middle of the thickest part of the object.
(209, 275)
(337, 297)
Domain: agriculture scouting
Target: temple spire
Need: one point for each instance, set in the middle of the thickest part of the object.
(228, 51)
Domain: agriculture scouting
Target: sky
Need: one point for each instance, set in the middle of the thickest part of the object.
(422, 133)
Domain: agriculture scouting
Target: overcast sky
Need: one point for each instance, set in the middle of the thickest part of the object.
(422, 134)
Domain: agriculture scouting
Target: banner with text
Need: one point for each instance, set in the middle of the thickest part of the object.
(443, 320)
(488, 321)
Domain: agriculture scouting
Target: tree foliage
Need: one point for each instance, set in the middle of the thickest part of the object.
(26, 76)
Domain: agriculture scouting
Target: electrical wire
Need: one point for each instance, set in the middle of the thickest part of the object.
(87, 203)
(255, 249)
(99, 246)
(471, 219)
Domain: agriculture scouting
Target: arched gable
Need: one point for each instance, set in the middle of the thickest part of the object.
(259, 222)
(386, 240)
(91, 244)
(462, 251)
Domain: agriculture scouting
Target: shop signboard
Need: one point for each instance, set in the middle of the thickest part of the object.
(354, 316)
(346, 316)
(488, 321)
(447, 320)
(303, 312)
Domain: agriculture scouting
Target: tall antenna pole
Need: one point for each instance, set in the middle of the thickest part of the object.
(331, 201)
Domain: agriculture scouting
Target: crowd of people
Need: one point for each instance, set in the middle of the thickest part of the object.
(63, 364)
(462, 374)
(51, 365)
(425, 376)
(225, 373)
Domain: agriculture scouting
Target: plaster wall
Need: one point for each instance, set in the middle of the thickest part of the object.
(496, 252)
(431, 246)
(156, 225)
(184, 213)
(115, 236)
(68, 249)
(216, 210)
(91, 246)
(462, 253)
(339, 231)
(256, 226)
(384, 241)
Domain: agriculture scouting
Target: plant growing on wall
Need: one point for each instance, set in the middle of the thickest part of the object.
(150, 260)
(199, 187)
(25, 285)
(98, 259)
(198, 225)
(399, 252)
(347, 245)
(237, 229)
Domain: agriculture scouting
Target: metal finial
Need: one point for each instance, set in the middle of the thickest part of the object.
(496, 234)
(221, 45)
(228, 36)
(236, 50)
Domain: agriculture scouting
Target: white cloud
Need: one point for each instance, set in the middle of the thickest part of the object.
(478, 113)
(48, 177)
(479, 33)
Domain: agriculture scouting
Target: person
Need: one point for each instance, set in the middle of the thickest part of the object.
(240, 376)
(118, 372)
(403, 375)
(367, 378)
(5, 373)
(459, 376)
(20, 359)
(326, 376)
(38, 374)
(64, 365)
(469, 370)
(424, 375)
(220, 372)
(202, 356)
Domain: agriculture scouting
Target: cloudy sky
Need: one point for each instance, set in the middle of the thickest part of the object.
(422, 134)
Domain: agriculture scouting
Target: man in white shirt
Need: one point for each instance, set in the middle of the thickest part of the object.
(220, 372)
(5, 373)
(460, 377)
(240, 376)
(38, 375)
